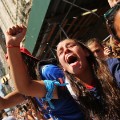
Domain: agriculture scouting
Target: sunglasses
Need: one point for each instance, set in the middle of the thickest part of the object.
(109, 18)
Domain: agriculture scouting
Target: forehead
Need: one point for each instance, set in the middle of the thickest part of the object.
(94, 45)
(65, 42)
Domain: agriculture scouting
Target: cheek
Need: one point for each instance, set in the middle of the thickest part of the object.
(117, 24)
(84, 64)
(118, 31)
(61, 60)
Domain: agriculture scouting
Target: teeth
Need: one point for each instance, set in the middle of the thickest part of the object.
(67, 58)
(71, 59)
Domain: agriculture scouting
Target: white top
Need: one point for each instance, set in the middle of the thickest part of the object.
(70, 88)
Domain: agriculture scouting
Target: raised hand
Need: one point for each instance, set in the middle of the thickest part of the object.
(15, 35)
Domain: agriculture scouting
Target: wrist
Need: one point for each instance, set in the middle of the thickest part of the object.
(12, 46)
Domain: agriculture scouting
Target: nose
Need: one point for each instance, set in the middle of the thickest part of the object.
(66, 50)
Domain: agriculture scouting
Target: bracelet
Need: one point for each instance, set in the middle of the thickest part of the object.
(12, 46)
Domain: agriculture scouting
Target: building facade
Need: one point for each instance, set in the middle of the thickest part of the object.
(12, 12)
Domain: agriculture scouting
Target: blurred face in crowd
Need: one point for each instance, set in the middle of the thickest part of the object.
(72, 57)
(113, 2)
(117, 23)
(97, 49)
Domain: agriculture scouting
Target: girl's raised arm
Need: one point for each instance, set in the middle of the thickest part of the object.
(23, 82)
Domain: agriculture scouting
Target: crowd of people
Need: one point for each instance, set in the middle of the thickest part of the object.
(21, 112)
(82, 83)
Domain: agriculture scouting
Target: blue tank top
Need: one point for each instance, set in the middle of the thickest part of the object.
(65, 108)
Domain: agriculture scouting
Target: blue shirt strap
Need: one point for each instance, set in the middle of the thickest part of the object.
(50, 86)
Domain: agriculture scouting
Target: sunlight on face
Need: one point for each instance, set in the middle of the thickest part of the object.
(71, 56)
(117, 23)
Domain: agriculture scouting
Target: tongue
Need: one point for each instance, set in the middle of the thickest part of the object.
(74, 63)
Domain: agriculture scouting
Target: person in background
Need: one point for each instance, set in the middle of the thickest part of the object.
(116, 23)
(114, 46)
(112, 17)
(112, 3)
(98, 49)
(6, 117)
(106, 54)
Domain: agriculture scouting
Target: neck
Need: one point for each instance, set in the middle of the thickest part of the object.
(86, 77)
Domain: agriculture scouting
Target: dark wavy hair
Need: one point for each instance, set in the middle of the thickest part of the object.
(108, 105)
(31, 65)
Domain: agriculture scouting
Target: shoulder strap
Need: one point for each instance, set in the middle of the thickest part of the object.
(70, 88)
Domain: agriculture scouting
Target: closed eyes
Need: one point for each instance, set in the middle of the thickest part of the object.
(60, 51)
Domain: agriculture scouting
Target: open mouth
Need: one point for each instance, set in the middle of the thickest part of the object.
(71, 59)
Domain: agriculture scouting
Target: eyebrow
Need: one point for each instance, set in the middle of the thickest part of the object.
(67, 44)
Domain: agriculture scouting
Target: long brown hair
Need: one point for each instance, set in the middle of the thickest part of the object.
(106, 105)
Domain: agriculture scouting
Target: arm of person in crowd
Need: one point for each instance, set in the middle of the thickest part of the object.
(22, 80)
(10, 100)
